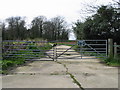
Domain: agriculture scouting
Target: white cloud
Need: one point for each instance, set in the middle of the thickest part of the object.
(49, 8)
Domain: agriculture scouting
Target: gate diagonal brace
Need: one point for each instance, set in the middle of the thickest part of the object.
(83, 43)
(49, 56)
(93, 49)
(65, 51)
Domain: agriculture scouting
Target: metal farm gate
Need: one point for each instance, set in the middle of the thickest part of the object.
(57, 50)
(27, 50)
(81, 49)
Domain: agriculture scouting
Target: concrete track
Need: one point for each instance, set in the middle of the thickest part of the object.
(63, 73)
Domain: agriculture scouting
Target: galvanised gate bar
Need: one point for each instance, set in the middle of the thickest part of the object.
(29, 50)
(81, 49)
(54, 50)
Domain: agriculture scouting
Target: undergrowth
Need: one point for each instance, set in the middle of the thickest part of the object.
(19, 57)
(113, 61)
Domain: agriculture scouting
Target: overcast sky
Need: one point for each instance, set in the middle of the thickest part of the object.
(70, 9)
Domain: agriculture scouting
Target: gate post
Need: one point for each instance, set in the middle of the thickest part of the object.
(81, 51)
(0, 43)
(1, 53)
(115, 50)
(110, 48)
(54, 54)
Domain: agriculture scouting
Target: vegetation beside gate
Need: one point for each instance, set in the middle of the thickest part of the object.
(113, 61)
(19, 57)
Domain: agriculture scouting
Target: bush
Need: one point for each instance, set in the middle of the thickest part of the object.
(6, 64)
(113, 61)
(19, 62)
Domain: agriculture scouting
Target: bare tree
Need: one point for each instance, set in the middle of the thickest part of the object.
(37, 26)
(16, 28)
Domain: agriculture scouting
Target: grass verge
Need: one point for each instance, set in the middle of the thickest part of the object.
(113, 61)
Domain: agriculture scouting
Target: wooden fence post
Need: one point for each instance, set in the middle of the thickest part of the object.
(115, 50)
(110, 48)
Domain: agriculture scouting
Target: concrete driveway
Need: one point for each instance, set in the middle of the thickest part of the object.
(63, 73)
